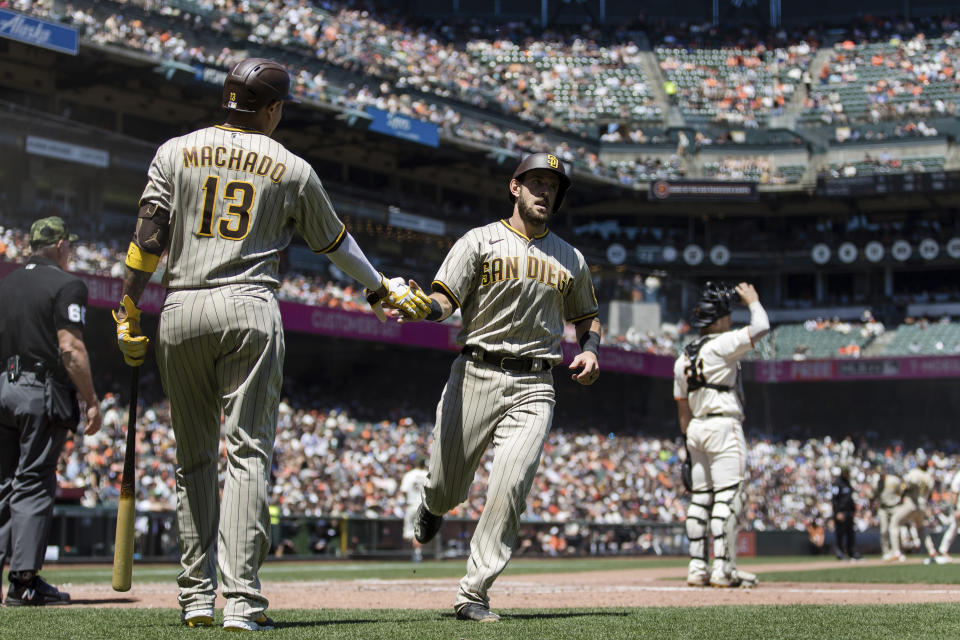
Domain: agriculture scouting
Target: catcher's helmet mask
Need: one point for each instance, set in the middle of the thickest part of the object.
(254, 83)
(715, 302)
(546, 161)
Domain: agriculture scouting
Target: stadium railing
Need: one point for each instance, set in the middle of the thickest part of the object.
(81, 534)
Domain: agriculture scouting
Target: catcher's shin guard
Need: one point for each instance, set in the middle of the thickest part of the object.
(698, 514)
(727, 503)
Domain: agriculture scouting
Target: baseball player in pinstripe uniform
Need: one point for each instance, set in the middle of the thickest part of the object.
(951, 533)
(913, 509)
(223, 201)
(709, 395)
(888, 493)
(516, 284)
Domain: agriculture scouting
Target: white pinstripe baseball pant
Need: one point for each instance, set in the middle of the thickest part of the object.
(482, 403)
(221, 349)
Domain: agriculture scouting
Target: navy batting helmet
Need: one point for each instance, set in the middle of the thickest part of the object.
(255, 83)
(549, 162)
(714, 303)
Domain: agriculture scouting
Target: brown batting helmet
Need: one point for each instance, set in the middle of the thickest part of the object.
(549, 162)
(255, 83)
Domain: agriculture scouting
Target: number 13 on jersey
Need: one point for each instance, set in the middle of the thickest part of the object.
(234, 223)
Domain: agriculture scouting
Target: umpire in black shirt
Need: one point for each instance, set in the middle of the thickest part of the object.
(42, 312)
(844, 508)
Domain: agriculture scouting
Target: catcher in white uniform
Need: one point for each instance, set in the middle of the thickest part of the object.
(709, 397)
(411, 486)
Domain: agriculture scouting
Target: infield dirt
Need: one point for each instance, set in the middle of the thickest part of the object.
(654, 587)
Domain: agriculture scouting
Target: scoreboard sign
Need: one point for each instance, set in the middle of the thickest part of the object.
(702, 190)
(889, 184)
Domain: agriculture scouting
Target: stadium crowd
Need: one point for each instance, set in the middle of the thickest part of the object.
(329, 463)
(576, 87)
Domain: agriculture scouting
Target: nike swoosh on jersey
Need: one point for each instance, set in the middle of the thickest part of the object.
(495, 240)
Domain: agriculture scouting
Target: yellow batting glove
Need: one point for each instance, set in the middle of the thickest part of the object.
(132, 343)
(410, 299)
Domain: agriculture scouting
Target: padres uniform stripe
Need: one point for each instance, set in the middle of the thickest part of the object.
(333, 246)
(446, 289)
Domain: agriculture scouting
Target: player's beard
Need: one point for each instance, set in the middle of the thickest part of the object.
(531, 215)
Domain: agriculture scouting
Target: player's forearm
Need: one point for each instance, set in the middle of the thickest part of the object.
(352, 261)
(150, 240)
(683, 415)
(440, 307)
(587, 341)
(76, 361)
(134, 284)
(759, 323)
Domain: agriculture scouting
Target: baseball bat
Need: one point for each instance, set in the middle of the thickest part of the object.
(126, 509)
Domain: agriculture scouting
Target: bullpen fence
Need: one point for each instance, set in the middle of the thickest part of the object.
(80, 534)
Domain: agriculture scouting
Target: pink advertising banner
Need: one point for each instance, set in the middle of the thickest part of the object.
(895, 367)
(105, 292)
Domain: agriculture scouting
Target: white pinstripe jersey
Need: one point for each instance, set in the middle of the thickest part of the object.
(515, 292)
(919, 484)
(235, 198)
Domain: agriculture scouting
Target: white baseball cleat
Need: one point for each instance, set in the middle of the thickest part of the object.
(943, 558)
(198, 618)
(732, 579)
(698, 578)
(263, 623)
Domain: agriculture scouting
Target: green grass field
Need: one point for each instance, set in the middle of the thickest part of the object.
(886, 622)
(936, 622)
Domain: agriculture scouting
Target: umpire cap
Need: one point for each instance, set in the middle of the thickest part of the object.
(549, 162)
(255, 83)
(714, 303)
(47, 231)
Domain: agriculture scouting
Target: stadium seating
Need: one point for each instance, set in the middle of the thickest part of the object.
(556, 84)
(735, 86)
(889, 79)
(898, 165)
(922, 338)
(818, 343)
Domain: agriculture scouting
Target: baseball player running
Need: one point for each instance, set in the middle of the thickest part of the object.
(912, 510)
(223, 201)
(709, 395)
(951, 532)
(516, 283)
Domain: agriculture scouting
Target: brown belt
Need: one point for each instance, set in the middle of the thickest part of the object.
(506, 361)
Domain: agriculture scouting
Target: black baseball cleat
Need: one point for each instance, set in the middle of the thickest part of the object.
(476, 613)
(30, 590)
(426, 526)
